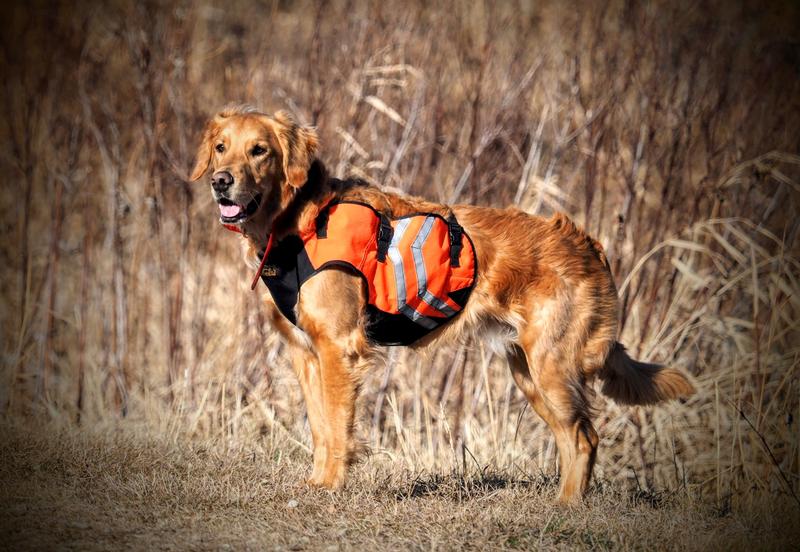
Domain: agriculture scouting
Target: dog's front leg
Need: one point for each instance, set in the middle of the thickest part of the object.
(330, 309)
(338, 393)
(306, 365)
(307, 368)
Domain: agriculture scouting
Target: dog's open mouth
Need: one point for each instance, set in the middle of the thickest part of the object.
(231, 213)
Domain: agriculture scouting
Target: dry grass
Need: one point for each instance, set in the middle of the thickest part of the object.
(668, 129)
(104, 489)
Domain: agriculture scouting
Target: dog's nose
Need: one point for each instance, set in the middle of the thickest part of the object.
(221, 181)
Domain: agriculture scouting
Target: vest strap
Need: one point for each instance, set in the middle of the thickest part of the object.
(385, 233)
(456, 232)
(263, 262)
(321, 223)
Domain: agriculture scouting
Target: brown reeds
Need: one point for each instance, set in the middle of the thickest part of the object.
(670, 137)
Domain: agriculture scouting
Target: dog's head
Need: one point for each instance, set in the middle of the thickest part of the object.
(256, 161)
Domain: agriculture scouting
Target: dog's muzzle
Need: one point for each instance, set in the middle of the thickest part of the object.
(232, 213)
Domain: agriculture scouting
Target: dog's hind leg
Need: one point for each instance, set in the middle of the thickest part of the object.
(562, 404)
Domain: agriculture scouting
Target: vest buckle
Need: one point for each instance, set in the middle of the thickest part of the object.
(456, 232)
(385, 233)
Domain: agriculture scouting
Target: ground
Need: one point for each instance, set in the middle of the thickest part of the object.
(63, 488)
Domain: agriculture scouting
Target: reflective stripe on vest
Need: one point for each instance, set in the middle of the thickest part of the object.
(419, 268)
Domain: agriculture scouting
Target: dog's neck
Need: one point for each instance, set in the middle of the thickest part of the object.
(293, 210)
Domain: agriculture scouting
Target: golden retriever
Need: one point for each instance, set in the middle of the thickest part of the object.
(543, 284)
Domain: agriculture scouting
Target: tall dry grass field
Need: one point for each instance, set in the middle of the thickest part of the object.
(670, 130)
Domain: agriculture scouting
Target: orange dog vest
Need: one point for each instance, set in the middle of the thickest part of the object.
(419, 270)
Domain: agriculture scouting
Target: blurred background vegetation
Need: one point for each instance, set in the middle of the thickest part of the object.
(668, 129)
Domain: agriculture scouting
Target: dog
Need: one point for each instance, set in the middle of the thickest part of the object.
(542, 284)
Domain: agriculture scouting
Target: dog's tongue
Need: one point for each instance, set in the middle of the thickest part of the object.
(229, 210)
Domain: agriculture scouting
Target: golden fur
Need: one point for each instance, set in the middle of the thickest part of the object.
(543, 285)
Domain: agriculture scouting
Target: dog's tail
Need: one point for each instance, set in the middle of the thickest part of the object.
(629, 381)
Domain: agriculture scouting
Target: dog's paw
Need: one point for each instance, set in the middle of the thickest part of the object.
(315, 481)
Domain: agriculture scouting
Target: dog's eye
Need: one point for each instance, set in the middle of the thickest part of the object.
(220, 147)
(258, 150)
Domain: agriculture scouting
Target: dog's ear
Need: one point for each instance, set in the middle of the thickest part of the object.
(298, 145)
(204, 151)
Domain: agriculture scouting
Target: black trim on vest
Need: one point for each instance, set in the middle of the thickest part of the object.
(392, 329)
(292, 267)
(460, 296)
(321, 223)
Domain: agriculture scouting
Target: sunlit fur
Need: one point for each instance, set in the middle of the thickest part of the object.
(544, 297)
